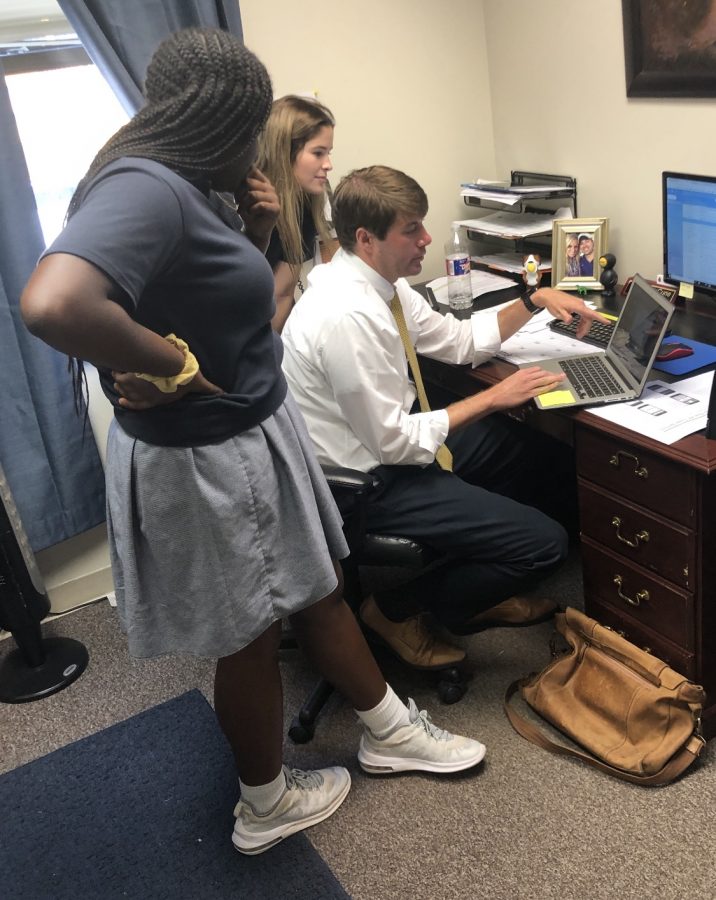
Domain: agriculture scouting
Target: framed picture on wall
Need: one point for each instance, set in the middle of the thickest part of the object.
(577, 245)
(670, 48)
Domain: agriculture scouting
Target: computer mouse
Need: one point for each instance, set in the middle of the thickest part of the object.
(667, 352)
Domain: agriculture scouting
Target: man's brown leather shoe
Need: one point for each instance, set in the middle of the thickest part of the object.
(411, 640)
(515, 612)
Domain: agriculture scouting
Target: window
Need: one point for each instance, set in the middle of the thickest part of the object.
(63, 116)
(64, 109)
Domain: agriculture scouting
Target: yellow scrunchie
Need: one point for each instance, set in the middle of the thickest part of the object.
(168, 384)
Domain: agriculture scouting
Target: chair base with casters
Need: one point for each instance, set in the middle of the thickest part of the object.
(351, 490)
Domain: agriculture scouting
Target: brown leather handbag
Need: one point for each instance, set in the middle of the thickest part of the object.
(637, 717)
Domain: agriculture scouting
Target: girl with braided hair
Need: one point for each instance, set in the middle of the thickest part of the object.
(295, 155)
(210, 473)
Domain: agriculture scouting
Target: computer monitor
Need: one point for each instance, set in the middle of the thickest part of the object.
(689, 209)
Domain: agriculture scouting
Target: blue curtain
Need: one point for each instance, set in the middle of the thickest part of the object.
(50, 459)
(121, 35)
(48, 454)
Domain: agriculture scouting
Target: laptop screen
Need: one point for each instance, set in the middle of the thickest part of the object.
(638, 332)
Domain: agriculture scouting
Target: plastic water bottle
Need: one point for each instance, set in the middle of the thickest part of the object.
(457, 264)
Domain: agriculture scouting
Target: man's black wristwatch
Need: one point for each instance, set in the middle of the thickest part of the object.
(527, 300)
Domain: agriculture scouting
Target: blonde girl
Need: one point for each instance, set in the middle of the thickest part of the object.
(295, 155)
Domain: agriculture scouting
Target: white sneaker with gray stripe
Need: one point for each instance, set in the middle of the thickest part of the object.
(418, 747)
(309, 798)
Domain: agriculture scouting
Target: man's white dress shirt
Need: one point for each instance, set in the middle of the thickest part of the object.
(346, 365)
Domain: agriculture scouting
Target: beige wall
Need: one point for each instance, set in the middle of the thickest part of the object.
(532, 84)
(547, 96)
(406, 80)
(559, 105)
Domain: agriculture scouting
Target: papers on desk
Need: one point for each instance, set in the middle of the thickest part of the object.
(534, 342)
(664, 412)
(482, 283)
(516, 225)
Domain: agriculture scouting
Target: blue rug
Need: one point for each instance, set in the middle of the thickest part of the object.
(143, 810)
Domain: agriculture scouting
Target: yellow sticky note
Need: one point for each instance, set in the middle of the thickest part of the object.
(556, 398)
(686, 290)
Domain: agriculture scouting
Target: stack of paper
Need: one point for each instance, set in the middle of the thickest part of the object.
(516, 225)
(509, 262)
(507, 194)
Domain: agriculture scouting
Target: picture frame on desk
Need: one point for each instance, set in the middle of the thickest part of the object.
(577, 246)
(668, 48)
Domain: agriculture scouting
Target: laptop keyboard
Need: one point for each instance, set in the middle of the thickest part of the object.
(590, 377)
(598, 334)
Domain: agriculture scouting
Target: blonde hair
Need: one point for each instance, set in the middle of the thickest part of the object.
(571, 264)
(293, 122)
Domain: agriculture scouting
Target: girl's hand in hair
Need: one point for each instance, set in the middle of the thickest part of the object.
(258, 206)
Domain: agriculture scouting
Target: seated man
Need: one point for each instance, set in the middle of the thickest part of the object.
(346, 365)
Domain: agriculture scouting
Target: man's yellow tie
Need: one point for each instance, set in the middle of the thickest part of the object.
(443, 456)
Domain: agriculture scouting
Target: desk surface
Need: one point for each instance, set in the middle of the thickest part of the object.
(647, 517)
(695, 319)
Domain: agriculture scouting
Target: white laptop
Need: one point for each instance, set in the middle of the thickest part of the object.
(621, 371)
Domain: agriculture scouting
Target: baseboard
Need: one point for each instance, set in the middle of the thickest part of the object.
(76, 571)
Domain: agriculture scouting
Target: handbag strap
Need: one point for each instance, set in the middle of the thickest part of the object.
(673, 768)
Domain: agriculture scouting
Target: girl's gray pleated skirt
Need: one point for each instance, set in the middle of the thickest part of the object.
(211, 545)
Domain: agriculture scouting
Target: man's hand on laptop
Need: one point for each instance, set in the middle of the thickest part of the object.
(515, 390)
(563, 306)
(522, 386)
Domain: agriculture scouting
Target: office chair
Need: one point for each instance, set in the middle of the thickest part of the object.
(351, 490)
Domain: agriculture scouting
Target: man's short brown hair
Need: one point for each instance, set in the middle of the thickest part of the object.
(372, 198)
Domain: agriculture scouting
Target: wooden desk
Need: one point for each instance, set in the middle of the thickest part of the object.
(647, 522)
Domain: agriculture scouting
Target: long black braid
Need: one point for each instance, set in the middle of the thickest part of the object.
(207, 99)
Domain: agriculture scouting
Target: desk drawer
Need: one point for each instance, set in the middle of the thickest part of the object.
(643, 597)
(638, 535)
(646, 479)
(683, 661)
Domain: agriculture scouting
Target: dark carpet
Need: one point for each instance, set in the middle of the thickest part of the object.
(143, 810)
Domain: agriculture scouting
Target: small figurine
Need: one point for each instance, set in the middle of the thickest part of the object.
(608, 277)
(531, 274)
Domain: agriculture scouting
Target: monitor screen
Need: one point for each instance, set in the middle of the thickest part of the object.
(690, 229)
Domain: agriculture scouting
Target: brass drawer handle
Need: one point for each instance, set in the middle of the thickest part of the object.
(639, 470)
(641, 537)
(640, 595)
(623, 634)
(617, 631)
